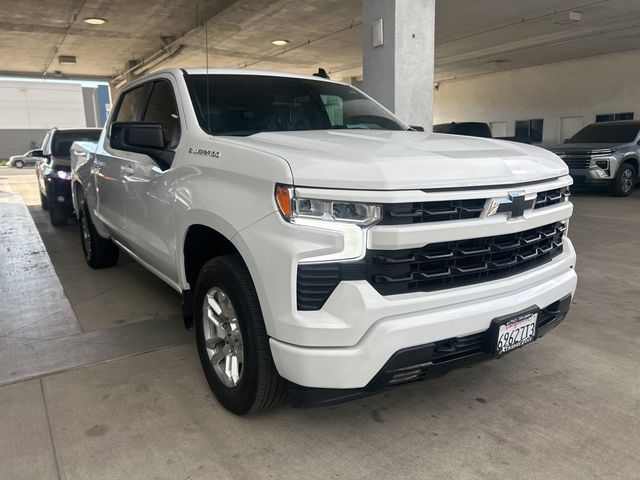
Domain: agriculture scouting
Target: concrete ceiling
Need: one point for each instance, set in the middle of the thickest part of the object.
(472, 36)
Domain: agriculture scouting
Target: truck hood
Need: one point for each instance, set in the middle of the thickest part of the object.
(386, 160)
(582, 147)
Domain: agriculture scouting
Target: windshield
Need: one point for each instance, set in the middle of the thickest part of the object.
(606, 134)
(248, 104)
(62, 141)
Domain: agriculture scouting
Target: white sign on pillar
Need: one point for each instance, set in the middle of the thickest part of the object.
(377, 33)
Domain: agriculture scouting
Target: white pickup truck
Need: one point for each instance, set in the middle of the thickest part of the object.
(323, 247)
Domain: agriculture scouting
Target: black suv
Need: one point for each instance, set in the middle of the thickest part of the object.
(54, 171)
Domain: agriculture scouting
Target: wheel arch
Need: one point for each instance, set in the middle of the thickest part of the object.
(77, 194)
(202, 242)
(634, 162)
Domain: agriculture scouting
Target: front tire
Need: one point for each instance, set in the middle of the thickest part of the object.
(44, 202)
(232, 340)
(18, 164)
(625, 180)
(57, 216)
(99, 252)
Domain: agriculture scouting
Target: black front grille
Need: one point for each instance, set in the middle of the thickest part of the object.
(443, 211)
(577, 161)
(552, 197)
(451, 264)
(435, 266)
(423, 212)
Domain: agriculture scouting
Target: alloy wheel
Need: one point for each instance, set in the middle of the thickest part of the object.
(223, 337)
(626, 180)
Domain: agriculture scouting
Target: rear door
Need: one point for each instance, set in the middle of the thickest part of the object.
(108, 174)
(148, 203)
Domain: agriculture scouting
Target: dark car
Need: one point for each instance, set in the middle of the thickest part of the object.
(471, 129)
(54, 171)
(475, 129)
(606, 153)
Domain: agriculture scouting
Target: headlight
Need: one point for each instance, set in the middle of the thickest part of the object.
(293, 208)
(61, 174)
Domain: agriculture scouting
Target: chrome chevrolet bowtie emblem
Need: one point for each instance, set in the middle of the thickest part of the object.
(514, 206)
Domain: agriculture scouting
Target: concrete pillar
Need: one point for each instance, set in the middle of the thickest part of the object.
(398, 59)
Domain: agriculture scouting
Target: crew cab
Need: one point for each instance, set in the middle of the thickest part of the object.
(322, 246)
(54, 171)
(604, 153)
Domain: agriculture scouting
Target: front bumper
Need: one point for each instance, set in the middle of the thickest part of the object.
(424, 362)
(59, 194)
(591, 176)
(404, 321)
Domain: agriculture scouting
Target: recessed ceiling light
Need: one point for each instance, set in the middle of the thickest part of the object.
(94, 20)
(496, 63)
(280, 42)
(67, 60)
(565, 18)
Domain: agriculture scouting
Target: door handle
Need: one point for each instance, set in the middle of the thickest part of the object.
(127, 170)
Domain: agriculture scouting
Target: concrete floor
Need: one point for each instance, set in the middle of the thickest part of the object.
(565, 407)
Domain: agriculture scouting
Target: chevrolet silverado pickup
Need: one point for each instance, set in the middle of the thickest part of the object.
(324, 249)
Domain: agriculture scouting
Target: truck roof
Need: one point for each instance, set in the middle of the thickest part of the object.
(618, 122)
(237, 71)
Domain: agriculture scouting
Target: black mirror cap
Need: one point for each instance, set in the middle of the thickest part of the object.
(133, 136)
(141, 137)
(416, 128)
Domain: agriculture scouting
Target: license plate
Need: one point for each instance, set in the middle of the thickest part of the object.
(516, 332)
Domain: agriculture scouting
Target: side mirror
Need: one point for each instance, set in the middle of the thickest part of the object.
(134, 136)
(566, 140)
(416, 128)
(141, 137)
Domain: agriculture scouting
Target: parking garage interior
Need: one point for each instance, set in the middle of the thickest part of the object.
(99, 378)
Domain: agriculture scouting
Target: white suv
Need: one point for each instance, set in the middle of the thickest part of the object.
(323, 247)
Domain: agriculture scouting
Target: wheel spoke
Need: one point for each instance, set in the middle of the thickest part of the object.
(234, 368)
(216, 327)
(213, 304)
(212, 343)
(220, 354)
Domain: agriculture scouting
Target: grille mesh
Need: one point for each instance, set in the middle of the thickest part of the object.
(450, 264)
(552, 197)
(435, 266)
(426, 212)
(578, 161)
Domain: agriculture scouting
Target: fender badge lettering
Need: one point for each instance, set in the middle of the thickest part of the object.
(203, 152)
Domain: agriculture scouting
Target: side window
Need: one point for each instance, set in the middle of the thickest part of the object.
(607, 117)
(132, 104)
(162, 109)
